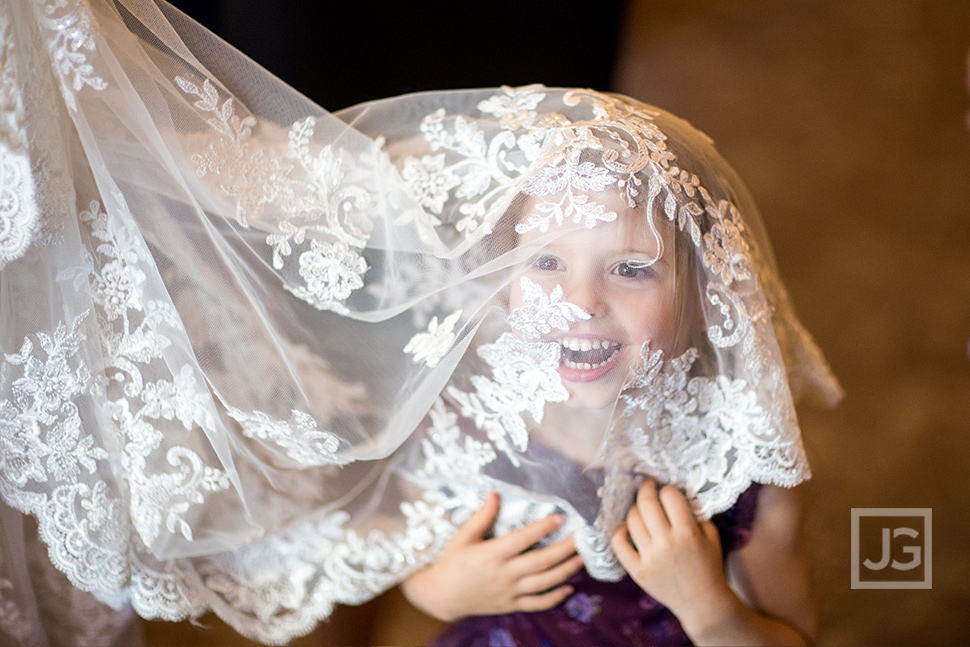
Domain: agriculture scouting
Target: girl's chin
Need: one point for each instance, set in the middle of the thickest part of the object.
(581, 402)
(601, 394)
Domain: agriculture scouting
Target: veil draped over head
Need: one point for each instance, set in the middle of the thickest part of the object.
(260, 359)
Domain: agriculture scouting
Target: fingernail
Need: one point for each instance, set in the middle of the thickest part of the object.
(558, 519)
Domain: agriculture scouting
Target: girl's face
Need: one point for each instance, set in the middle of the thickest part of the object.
(620, 274)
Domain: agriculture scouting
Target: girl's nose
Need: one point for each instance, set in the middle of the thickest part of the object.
(588, 295)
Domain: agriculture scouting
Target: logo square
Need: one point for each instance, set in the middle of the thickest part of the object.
(892, 548)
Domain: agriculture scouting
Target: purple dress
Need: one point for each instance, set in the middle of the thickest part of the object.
(598, 613)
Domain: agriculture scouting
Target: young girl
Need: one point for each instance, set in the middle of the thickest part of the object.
(260, 360)
(618, 286)
(618, 274)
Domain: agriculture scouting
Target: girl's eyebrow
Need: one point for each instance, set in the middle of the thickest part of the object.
(662, 258)
(634, 250)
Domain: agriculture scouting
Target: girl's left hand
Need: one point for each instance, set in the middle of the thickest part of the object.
(674, 558)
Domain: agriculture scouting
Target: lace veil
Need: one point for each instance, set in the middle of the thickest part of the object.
(261, 359)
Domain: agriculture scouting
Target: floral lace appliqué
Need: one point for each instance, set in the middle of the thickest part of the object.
(70, 40)
(18, 209)
(331, 272)
(483, 168)
(280, 586)
(43, 399)
(299, 438)
(429, 347)
(84, 521)
(524, 377)
(540, 313)
(444, 458)
(574, 182)
(709, 435)
(311, 193)
(515, 107)
(429, 181)
(725, 249)
(549, 153)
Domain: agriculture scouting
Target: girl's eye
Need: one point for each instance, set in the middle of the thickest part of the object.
(633, 270)
(548, 264)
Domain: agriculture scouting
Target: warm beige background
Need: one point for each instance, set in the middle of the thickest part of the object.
(848, 120)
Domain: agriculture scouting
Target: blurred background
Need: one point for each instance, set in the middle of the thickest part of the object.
(848, 120)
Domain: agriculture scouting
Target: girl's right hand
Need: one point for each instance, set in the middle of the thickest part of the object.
(477, 576)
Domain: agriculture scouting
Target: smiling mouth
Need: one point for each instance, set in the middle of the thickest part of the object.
(587, 354)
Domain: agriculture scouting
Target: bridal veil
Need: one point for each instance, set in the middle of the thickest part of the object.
(261, 359)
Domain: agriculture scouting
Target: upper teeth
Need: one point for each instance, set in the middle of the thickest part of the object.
(587, 344)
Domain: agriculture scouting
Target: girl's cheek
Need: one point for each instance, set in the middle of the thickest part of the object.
(515, 298)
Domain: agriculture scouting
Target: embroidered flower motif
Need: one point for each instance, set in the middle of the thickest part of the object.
(568, 178)
(118, 288)
(429, 347)
(429, 181)
(180, 399)
(524, 377)
(525, 373)
(321, 562)
(539, 313)
(102, 509)
(726, 252)
(467, 140)
(44, 440)
(68, 24)
(19, 215)
(582, 607)
(332, 272)
(699, 430)
(531, 144)
(21, 452)
(582, 176)
(309, 189)
(515, 107)
(484, 167)
(69, 451)
(50, 384)
(18, 210)
(444, 458)
(265, 593)
(299, 438)
(658, 386)
(171, 494)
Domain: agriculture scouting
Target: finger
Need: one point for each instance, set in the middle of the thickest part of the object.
(710, 532)
(653, 515)
(534, 561)
(519, 540)
(545, 580)
(622, 548)
(481, 520)
(543, 601)
(637, 530)
(676, 507)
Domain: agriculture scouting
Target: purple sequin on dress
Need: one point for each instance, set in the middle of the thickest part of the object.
(598, 613)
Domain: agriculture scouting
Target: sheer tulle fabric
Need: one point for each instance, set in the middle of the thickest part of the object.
(262, 359)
